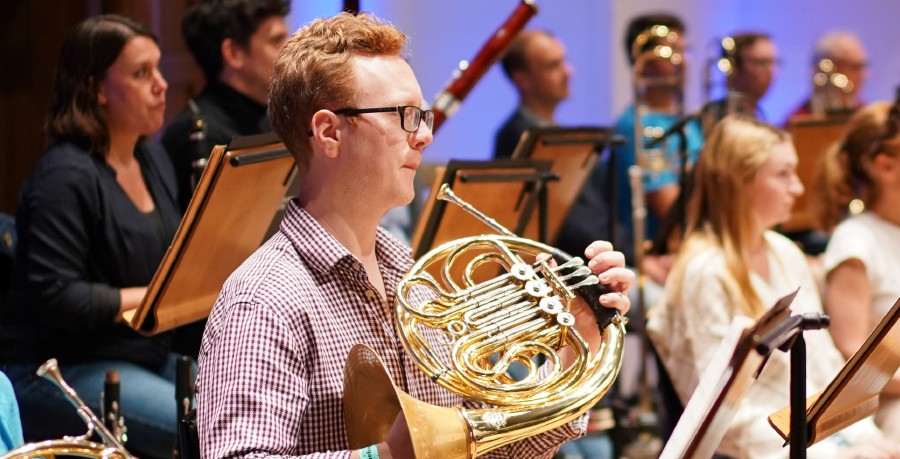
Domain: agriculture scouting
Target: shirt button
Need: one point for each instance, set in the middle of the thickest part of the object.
(356, 266)
(370, 293)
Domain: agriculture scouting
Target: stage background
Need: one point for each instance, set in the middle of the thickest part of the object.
(443, 33)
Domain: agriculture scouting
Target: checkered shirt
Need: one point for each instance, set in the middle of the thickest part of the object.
(272, 359)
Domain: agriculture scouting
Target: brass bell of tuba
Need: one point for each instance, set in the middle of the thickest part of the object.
(80, 446)
(513, 317)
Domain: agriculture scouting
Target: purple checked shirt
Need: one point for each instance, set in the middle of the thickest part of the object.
(272, 359)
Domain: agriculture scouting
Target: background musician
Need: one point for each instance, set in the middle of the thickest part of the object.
(754, 60)
(862, 260)
(849, 57)
(94, 220)
(731, 263)
(536, 65)
(273, 354)
(236, 43)
(662, 101)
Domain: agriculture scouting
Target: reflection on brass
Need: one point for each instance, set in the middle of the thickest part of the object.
(111, 448)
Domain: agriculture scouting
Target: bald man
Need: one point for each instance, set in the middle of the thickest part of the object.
(536, 65)
(849, 58)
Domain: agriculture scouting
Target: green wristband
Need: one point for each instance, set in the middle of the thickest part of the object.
(369, 452)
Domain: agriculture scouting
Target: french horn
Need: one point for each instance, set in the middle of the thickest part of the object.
(81, 446)
(513, 317)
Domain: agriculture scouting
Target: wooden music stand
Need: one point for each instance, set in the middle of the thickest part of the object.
(574, 152)
(723, 386)
(853, 394)
(234, 205)
(812, 138)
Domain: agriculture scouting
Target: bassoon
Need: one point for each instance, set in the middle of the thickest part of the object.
(469, 72)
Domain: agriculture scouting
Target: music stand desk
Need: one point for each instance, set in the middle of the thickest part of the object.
(723, 386)
(234, 204)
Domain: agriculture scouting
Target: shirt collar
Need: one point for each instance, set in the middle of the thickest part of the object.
(534, 118)
(324, 253)
(238, 105)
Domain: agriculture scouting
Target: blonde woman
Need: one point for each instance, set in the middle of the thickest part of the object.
(732, 264)
(862, 260)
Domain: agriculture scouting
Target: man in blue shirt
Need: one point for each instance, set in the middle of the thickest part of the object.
(661, 89)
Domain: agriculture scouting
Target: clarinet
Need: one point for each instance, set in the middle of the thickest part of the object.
(184, 391)
(468, 73)
(197, 140)
(110, 400)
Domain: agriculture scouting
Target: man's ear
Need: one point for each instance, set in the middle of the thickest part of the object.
(520, 80)
(232, 54)
(325, 133)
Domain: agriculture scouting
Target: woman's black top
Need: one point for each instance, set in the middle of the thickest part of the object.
(81, 239)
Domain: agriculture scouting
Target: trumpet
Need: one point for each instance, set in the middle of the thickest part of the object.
(517, 315)
(111, 448)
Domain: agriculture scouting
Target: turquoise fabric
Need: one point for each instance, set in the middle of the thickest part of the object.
(10, 424)
(625, 157)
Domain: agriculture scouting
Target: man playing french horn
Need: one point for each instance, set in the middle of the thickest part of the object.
(347, 106)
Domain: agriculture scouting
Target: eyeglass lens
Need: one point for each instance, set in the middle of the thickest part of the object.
(413, 115)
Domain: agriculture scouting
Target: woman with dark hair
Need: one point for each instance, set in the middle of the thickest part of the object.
(94, 219)
(862, 260)
(732, 264)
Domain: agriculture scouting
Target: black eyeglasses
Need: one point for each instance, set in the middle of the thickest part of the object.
(409, 119)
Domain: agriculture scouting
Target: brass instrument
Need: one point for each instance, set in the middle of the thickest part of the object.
(658, 43)
(517, 315)
(832, 90)
(81, 446)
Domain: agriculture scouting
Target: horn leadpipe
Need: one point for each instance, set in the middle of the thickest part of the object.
(590, 293)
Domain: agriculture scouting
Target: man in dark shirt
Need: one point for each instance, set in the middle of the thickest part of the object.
(750, 60)
(836, 54)
(236, 44)
(536, 65)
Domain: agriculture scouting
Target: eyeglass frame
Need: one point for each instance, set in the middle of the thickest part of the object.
(423, 114)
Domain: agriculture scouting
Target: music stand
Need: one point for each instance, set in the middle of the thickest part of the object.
(506, 190)
(812, 138)
(724, 385)
(574, 152)
(853, 394)
(235, 202)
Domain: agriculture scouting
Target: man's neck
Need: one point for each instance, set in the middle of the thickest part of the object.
(543, 110)
(351, 221)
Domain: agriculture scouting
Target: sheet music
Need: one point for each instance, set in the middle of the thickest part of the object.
(712, 383)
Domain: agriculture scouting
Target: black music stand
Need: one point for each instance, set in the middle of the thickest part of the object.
(850, 397)
(507, 190)
(724, 385)
(239, 195)
(574, 152)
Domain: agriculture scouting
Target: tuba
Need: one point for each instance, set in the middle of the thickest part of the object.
(80, 446)
(513, 317)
